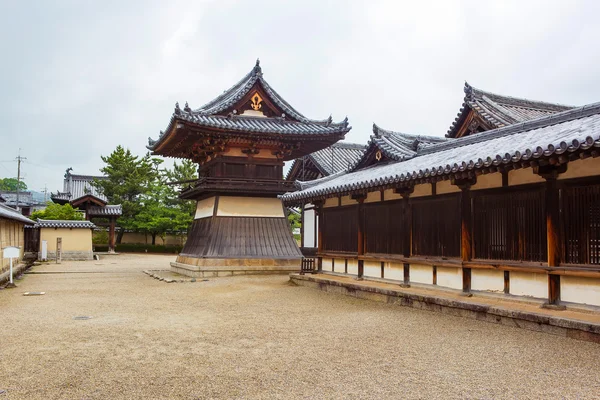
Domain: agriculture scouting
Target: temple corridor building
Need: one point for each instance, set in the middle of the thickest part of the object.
(240, 140)
(508, 202)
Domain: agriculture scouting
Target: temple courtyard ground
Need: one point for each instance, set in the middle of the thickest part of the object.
(260, 337)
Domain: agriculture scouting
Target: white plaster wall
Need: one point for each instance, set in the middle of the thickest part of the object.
(422, 190)
(249, 207)
(523, 176)
(309, 228)
(339, 265)
(488, 181)
(487, 279)
(443, 187)
(394, 271)
(580, 290)
(449, 277)
(580, 168)
(422, 274)
(529, 284)
(372, 269)
(326, 264)
(330, 202)
(389, 194)
(204, 208)
(373, 197)
(353, 267)
(348, 201)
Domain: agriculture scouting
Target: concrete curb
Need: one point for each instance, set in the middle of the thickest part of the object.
(565, 327)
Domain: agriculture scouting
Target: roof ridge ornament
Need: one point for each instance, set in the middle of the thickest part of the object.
(177, 110)
(187, 108)
(468, 89)
(257, 69)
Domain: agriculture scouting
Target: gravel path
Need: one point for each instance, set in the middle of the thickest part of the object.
(261, 337)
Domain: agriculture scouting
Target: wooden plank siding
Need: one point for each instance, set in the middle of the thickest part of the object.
(581, 224)
(339, 229)
(436, 226)
(509, 225)
(241, 237)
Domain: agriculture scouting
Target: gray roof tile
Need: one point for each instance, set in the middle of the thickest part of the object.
(10, 213)
(47, 223)
(559, 133)
(499, 111)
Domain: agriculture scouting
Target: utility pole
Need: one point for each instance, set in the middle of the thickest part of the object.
(19, 159)
(45, 193)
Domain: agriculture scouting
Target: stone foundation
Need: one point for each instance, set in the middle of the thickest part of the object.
(213, 267)
(71, 255)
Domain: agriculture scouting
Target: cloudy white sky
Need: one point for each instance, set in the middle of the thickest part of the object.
(80, 77)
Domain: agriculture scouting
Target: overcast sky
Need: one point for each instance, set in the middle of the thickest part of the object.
(79, 78)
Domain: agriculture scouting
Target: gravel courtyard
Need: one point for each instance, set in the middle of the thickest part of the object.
(260, 337)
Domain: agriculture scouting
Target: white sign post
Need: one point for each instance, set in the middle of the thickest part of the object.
(11, 252)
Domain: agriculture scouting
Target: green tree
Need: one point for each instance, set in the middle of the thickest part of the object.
(57, 212)
(186, 171)
(162, 210)
(12, 184)
(129, 179)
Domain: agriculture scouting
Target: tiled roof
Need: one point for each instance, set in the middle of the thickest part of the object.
(499, 111)
(290, 123)
(47, 223)
(9, 213)
(109, 210)
(25, 198)
(338, 157)
(559, 133)
(396, 146)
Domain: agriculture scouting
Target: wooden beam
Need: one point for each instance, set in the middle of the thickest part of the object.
(111, 235)
(406, 277)
(302, 227)
(506, 282)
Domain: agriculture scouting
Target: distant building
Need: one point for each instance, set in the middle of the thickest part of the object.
(26, 204)
(80, 192)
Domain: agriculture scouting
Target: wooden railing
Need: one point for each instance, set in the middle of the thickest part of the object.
(308, 265)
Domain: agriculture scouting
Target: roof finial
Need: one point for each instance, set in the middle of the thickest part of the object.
(257, 69)
(468, 89)
(177, 109)
(187, 108)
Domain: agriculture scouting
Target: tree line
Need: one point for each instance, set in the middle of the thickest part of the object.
(139, 184)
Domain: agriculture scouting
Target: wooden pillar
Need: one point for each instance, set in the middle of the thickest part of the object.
(553, 234)
(406, 220)
(361, 233)
(466, 228)
(111, 236)
(302, 227)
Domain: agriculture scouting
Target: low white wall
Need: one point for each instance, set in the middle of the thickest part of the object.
(529, 284)
(353, 267)
(487, 279)
(372, 269)
(326, 264)
(580, 290)
(449, 277)
(422, 274)
(339, 265)
(394, 271)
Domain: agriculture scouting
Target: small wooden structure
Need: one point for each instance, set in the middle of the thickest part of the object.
(240, 141)
(513, 209)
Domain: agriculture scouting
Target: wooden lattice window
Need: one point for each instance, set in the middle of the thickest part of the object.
(581, 224)
(384, 227)
(339, 227)
(436, 226)
(509, 225)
